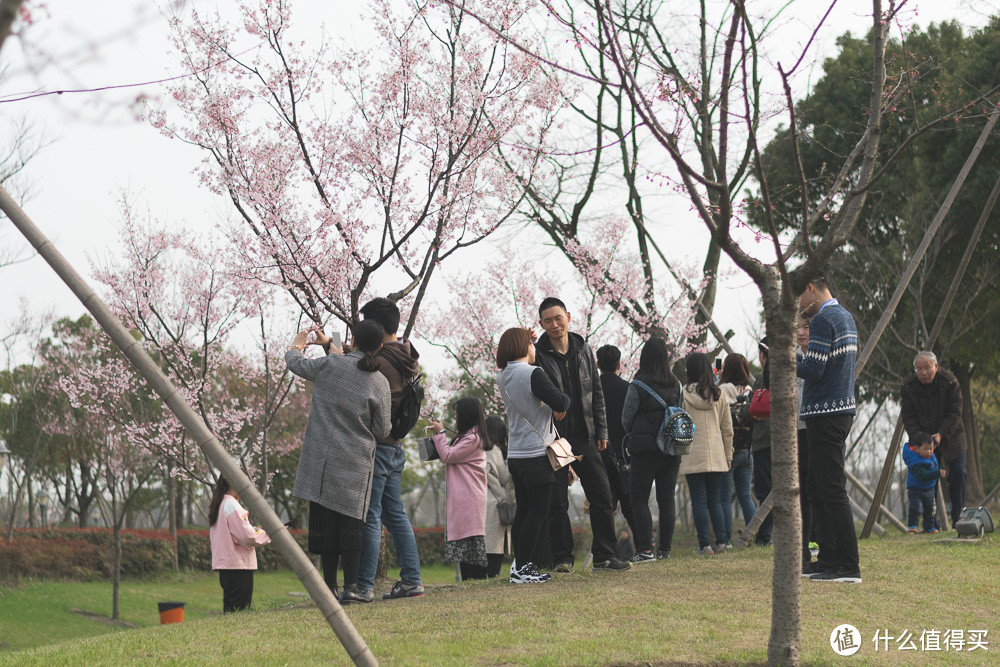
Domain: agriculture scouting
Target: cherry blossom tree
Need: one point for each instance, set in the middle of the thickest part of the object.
(356, 171)
(193, 315)
(113, 406)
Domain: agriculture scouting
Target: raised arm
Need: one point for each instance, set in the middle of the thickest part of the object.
(466, 448)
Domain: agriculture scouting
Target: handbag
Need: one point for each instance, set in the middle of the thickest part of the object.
(559, 451)
(506, 511)
(426, 449)
(760, 404)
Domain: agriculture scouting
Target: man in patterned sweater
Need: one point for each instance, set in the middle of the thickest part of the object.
(828, 410)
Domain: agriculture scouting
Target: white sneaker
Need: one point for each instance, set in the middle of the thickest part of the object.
(528, 575)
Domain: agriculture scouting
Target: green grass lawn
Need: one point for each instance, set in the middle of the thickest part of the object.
(687, 609)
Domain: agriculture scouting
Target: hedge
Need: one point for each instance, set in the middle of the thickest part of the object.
(86, 554)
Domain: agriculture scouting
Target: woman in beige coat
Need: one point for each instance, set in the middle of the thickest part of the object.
(500, 488)
(711, 452)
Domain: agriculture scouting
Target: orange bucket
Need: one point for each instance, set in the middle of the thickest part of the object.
(171, 612)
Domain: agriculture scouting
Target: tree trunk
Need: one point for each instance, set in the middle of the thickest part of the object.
(974, 486)
(116, 570)
(780, 309)
(172, 513)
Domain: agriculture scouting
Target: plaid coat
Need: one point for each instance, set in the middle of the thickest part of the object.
(349, 414)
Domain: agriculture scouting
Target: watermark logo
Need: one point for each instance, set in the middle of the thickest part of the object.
(845, 639)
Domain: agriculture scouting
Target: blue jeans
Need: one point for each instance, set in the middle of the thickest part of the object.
(386, 508)
(705, 505)
(741, 475)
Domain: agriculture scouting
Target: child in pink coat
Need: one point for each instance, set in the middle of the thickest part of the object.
(465, 476)
(234, 542)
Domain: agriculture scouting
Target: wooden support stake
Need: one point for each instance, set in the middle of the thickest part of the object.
(918, 254)
(883, 481)
(746, 535)
(935, 331)
(334, 614)
(892, 518)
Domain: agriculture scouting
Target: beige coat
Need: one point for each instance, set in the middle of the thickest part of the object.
(712, 449)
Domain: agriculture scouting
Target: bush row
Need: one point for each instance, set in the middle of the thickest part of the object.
(85, 554)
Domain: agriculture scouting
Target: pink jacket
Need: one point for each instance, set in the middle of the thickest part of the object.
(234, 539)
(465, 478)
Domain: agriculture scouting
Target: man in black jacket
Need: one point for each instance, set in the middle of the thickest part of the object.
(609, 361)
(931, 402)
(570, 364)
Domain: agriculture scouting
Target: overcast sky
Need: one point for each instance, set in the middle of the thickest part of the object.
(99, 148)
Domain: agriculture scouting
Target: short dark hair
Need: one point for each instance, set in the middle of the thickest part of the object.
(550, 302)
(821, 282)
(608, 357)
(384, 312)
(514, 344)
(921, 438)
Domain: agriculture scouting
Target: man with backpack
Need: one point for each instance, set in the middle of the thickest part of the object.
(398, 363)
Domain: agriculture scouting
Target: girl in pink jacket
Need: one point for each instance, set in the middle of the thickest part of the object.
(465, 477)
(233, 546)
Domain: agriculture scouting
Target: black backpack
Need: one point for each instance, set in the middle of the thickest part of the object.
(408, 413)
(742, 423)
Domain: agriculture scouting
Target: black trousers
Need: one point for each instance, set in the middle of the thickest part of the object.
(761, 489)
(533, 481)
(804, 503)
(237, 589)
(494, 562)
(620, 494)
(594, 479)
(956, 481)
(827, 437)
(648, 467)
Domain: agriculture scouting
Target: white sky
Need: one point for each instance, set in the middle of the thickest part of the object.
(99, 148)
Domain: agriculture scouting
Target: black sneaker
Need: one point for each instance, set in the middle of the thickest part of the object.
(564, 567)
(840, 574)
(810, 570)
(662, 555)
(612, 565)
(401, 590)
(528, 575)
(643, 557)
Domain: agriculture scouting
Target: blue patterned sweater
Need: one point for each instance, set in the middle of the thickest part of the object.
(828, 365)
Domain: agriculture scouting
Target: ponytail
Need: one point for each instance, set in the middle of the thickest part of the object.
(369, 362)
(368, 337)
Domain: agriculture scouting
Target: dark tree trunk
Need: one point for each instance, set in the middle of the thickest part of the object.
(974, 486)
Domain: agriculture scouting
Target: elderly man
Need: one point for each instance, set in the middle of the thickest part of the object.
(932, 403)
